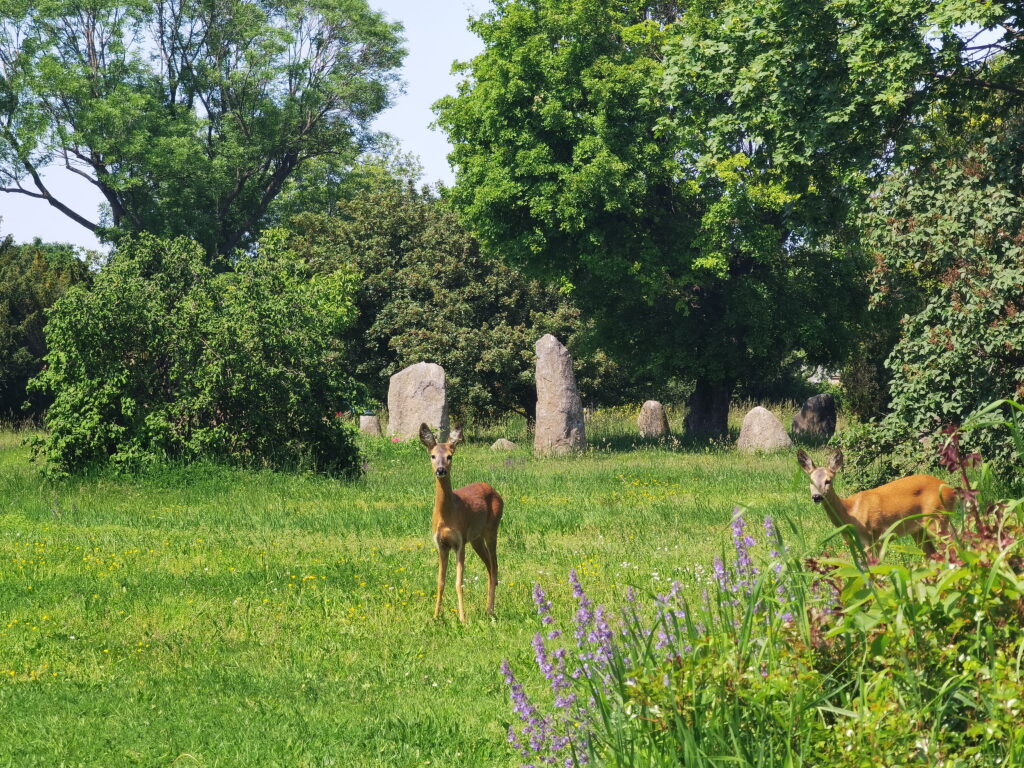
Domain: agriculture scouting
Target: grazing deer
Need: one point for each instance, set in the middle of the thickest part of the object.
(917, 505)
(469, 515)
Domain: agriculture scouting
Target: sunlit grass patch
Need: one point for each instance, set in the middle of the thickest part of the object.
(239, 618)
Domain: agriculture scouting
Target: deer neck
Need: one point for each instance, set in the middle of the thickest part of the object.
(444, 499)
(838, 510)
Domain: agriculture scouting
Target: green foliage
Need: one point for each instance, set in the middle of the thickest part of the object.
(189, 116)
(947, 239)
(587, 154)
(162, 358)
(427, 293)
(32, 277)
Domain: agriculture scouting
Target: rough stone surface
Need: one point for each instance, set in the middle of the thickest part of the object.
(652, 421)
(559, 427)
(761, 431)
(817, 418)
(501, 444)
(416, 396)
(370, 425)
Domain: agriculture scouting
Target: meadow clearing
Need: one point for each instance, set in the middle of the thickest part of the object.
(202, 616)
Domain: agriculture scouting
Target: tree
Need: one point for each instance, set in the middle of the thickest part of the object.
(427, 293)
(188, 116)
(947, 238)
(32, 277)
(577, 159)
(164, 357)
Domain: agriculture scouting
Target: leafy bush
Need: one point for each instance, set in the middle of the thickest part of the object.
(165, 358)
(798, 661)
(951, 235)
(32, 277)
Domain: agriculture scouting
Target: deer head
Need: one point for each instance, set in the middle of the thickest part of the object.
(440, 453)
(821, 477)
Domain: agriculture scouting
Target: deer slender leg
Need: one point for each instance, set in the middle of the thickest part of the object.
(460, 565)
(442, 572)
(490, 559)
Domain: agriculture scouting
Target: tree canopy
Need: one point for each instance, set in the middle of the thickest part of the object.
(690, 171)
(188, 116)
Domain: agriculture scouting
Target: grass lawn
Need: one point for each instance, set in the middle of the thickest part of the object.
(210, 617)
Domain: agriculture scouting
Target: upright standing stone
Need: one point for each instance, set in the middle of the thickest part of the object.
(652, 421)
(559, 427)
(417, 396)
(761, 431)
(369, 424)
(817, 418)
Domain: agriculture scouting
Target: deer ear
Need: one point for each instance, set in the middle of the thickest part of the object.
(455, 437)
(427, 437)
(804, 461)
(835, 461)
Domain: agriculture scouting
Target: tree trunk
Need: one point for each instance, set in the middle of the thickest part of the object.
(709, 409)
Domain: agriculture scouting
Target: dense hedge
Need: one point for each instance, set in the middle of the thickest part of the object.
(164, 357)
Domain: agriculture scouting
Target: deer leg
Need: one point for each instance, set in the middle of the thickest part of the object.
(442, 572)
(484, 549)
(460, 566)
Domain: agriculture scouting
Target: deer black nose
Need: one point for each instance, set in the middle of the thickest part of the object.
(816, 498)
(440, 471)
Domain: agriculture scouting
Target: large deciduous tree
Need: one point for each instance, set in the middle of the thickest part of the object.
(188, 116)
(690, 170)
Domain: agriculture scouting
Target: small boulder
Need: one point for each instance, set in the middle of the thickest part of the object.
(501, 444)
(369, 424)
(417, 395)
(761, 431)
(817, 418)
(652, 421)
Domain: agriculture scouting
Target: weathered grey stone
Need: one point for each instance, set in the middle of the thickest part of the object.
(501, 444)
(652, 421)
(817, 418)
(559, 428)
(761, 431)
(417, 396)
(370, 425)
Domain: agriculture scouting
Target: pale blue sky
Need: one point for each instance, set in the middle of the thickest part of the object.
(436, 35)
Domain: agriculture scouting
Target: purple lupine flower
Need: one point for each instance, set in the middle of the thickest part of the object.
(540, 653)
(720, 575)
(543, 605)
(584, 614)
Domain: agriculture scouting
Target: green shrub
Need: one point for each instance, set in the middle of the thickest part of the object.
(32, 277)
(164, 358)
(950, 236)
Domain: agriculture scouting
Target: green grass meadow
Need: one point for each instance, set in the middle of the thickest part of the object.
(202, 616)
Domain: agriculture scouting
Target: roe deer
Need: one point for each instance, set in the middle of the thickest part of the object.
(917, 505)
(469, 515)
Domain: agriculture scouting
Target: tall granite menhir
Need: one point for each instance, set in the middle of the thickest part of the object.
(417, 395)
(559, 427)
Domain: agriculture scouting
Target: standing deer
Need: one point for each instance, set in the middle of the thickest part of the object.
(917, 505)
(470, 514)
